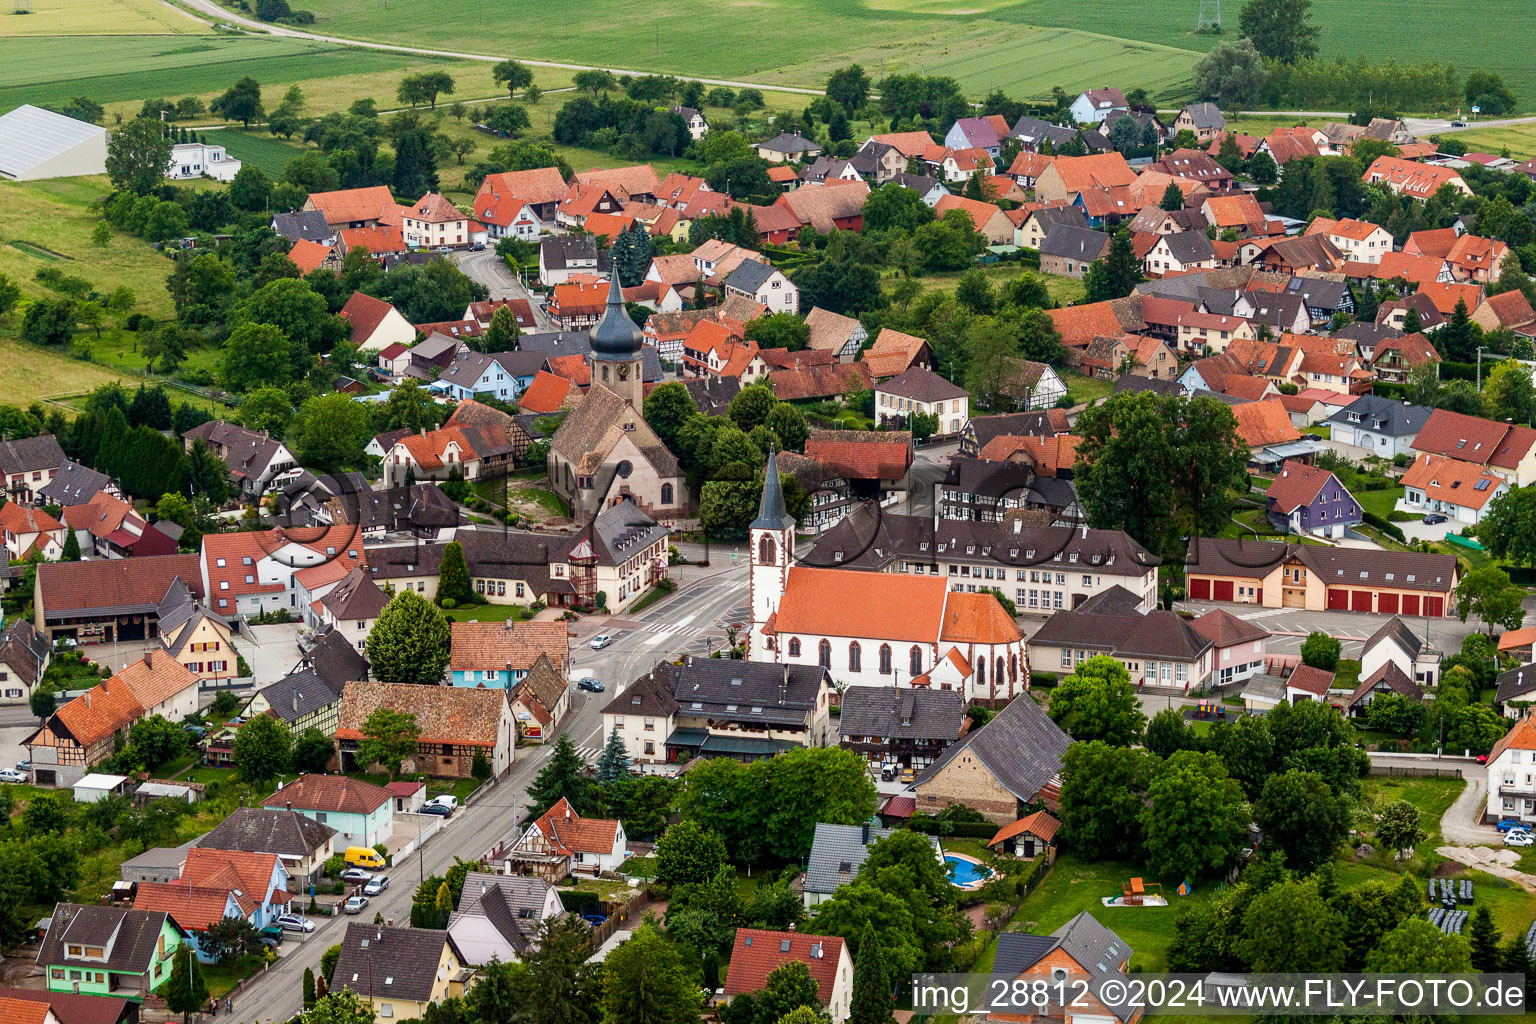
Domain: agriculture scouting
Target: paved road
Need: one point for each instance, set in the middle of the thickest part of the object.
(489, 269)
(681, 623)
(225, 16)
(1426, 126)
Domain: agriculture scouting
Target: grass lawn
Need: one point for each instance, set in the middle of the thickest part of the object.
(258, 148)
(1519, 139)
(1062, 289)
(222, 979)
(1083, 388)
(460, 788)
(487, 613)
(1433, 797)
(1074, 886)
(1381, 502)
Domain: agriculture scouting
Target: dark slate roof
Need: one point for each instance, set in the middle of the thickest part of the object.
(1395, 678)
(1158, 634)
(1094, 947)
(986, 478)
(771, 511)
(617, 533)
(744, 691)
(1020, 747)
(31, 453)
(1383, 415)
(1405, 570)
(558, 250)
(919, 183)
(130, 936)
(922, 385)
(1026, 424)
(1054, 216)
(268, 830)
(299, 693)
(1516, 684)
(336, 661)
(1189, 246)
(712, 395)
(1074, 243)
(788, 144)
(1367, 334)
(398, 962)
(1157, 385)
(74, 484)
(1205, 115)
(838, 852)
(1052, 491)
(749, 276)
(1276, 309)
(308, 225)
(908, 714)
(1397, 630)
(871, 538)
(1318, 291)
(1030, 130)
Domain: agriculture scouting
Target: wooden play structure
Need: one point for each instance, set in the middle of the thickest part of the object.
(1138, 893)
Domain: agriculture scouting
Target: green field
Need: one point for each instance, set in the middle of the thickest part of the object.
(257, 148)
(1519, 139)
(99, 17)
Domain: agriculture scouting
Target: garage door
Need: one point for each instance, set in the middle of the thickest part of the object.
(1223, 590)
(1386, 604)
(1360, 600)
(1338, 600)
(1434, 606)
(1200, 590)
(1410, 604)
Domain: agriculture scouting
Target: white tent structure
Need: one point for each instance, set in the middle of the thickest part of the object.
(37, 144)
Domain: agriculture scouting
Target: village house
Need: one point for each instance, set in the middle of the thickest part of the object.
(1415, 180)
(562, 256)
(399, 972)
(24, 656)
(1394, 359)
(1033, 835)
(254, 460)
(1309, 499)
(829, 206)
(1237, 646)
(757, 953)
(988, 219)
(1093, 106)
(1395, 644)
(457, 726)
(500, 916)
(708, 707)
(838, 853)
(360, 812)
(1204, 119)
(1383, 426)
(909, 728)
(1178, 253)
(1082, 954)
(1067, 251)
(498, 655)
(1506, 310)
(1512, 774)
(107, 599)
(1506, 449)
(1011, 762)
(835, 333)
(1039, 223)
(376, 324)
(765, 284)
(434, 222)
(28, 531)
(1357, 240)
(1460, 491)
(108, 950)
(1516, 688)
(586, 846)
(302, 844)
(256, 571)
(787, 148)
(200, 640)
(923, 392)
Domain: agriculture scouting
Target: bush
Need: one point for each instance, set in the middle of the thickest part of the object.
(448, 602)
(1372, 519)
(1396, 516)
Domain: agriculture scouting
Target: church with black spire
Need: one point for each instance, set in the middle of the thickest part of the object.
(605, 453)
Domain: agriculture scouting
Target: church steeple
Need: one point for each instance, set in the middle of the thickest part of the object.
(616, 344)
(771, 512)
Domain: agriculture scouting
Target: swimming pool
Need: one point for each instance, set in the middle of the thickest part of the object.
(966, 872)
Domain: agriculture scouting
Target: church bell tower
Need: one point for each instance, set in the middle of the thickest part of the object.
(772, 539)
(616, 345)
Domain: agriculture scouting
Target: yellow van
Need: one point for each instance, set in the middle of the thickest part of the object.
(364, 857)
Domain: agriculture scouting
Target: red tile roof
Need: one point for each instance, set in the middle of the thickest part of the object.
(1474, 439)
(1453, 481)
(364, 313)
(1097, 170)
(862, 455)
(101, 711)
(1313, 680)
(1296, 484)
(329, 793)
(1038, 824)
(757, 952)
(977, 619)
(1431, 242)
(1417, 180)
(1445, 296)
(568, 832)
(1511, 308)
(357, 204)
(546, 393)
(386, 239)
(1264, 423)
(1079, 325)
(539, 185)
(308, 256)
(887, 607)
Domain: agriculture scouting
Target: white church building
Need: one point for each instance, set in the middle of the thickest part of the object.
(875, 628)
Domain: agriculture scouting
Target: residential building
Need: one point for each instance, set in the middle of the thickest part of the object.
(24, 656)
(921, 391)
(200, 640)
(1157, 648)
(995, 491)
(29, 531)
(1082, 955)
(1039, 567)
(987, 218)
(1512, 774)
(1386, 679)
(539, 700)
(1506, 449)
(254, 460)
(1310, 499)
(1237, 646)
(359, 811)
(757, 953)
(1180, 252)
(457, 726)
(709, 707)
(1358, 240)
(1383, 426)
(1516, 688)
(499, 655)
(300, 843)
(108, 599)
(1508, 309)
(1276, 575)
(1393, 360)
(618, 556)
(982, 429)
(500, 916)
(1068, 251)
(39, 1006)
(201, 160)
(351, 208)
(787, 148)
(838, 853)
(1461, 491)
(350, 608)
(592, 846)
(1415, 180)
(765, 284)
(1204, 119)
(562, 256)
(253, 572)
(894, 353)
(108, 950)
(1093, 106)
(838, 206)
(399, 971)
(502, 196)
(74, 484)
(835, 333)
(1009, 763)
(1030, 385)
(910, 728)
(376, 324)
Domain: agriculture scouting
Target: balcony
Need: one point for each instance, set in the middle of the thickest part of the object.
(1526, 790)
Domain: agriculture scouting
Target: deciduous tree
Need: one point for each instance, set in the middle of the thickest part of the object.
(410, 641)
(1103, 789)
(1195, 816)
(1098, 702)
(137, 155)
(262, 748)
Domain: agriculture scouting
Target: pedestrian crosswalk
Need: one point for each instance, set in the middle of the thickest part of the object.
(590, 754)
(675, 629)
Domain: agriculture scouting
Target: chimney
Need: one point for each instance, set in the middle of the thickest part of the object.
(864, 833)
(88, 697)
(296, 696)
(288, 804)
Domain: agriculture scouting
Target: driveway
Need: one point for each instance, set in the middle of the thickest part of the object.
(274, 654)
(1460, 822)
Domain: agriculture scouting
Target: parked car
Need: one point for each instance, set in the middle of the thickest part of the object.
(441, 810)
(1510, 823)
(23, 766)
(477, 247)
(1518, 837)
(357, 876)
(600, 641)
(295, 923)
(445, 800)
(271, 935)
(7, 775)
(1434, 519)
(888, 773)
(354, 905)
(589, 684)
(908, 775)
(376, 885)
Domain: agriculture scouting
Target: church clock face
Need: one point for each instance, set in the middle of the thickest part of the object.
(623, 371)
